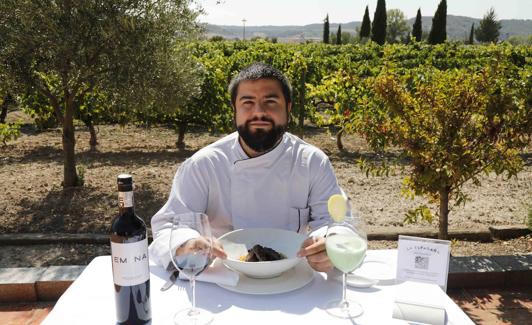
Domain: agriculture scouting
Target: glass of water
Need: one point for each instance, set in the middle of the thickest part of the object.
(190, 252)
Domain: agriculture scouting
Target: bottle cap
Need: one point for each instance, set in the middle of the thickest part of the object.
(125, 182)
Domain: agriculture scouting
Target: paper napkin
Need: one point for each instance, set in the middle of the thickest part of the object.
(216, 273)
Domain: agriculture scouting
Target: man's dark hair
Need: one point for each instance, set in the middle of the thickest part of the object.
(258, 71)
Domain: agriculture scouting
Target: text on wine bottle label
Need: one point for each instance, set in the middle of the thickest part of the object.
(130, 263)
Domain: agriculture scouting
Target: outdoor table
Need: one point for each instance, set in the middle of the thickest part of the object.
(90, 300)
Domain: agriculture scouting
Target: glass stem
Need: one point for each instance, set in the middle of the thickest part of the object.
(344, 304)
(193, 287)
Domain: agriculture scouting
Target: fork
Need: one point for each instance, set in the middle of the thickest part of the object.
(170, 281)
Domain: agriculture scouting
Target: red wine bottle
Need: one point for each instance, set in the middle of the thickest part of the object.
(129, 255)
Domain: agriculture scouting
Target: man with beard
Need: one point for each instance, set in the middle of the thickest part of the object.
(259, 176)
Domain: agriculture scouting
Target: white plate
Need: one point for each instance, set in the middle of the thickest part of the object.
(376, 270)
(293, 279)
(357, 281)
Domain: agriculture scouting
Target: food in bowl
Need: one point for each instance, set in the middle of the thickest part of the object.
(260, 253)
(237, 242)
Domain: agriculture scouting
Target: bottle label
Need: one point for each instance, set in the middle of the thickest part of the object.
(125, 199)
(130, 263)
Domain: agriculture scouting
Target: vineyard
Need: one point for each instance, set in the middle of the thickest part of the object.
(426, 126)
(450, 112)
(330, 83)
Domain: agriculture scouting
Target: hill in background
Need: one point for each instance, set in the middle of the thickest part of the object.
(458, 28)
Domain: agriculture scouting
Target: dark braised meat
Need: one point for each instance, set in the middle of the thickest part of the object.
(260, 253)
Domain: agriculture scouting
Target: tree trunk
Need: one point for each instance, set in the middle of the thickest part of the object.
(339, 143)
(3, 112)
(69, 143)
(181, 129)
(93, 141)
(301, 117)
(8, 100)
(444, 213)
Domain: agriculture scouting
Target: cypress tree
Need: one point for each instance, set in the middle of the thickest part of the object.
(378, 28)
(489, 27)
(326, 30)
(416, 29)
(339, 35)
(365, 29)
(438, 32)
(472, 34)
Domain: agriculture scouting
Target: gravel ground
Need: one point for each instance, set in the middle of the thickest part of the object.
(33, 200)
(31, 173)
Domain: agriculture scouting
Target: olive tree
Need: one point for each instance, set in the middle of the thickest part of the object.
(397, 28)
(64, 50)
(453, 126)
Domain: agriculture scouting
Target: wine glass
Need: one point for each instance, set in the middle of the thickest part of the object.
(346, 245)
(190, 252)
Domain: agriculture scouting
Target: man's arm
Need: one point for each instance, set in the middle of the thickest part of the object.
(323, 184)
(189, 194)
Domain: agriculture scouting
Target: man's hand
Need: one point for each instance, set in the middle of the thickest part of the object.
(217, 250)
(313, 248)
(201, 243)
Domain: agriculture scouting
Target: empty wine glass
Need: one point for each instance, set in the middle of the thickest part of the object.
(346, 245)
(190, 252)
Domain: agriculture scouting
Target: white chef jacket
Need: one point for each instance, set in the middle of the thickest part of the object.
(287, 188)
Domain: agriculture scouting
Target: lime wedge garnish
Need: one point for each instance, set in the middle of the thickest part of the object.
(337, 207)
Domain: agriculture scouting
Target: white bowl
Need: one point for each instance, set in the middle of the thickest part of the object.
(285, 242)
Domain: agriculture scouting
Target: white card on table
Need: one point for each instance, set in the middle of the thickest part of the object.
(423, 260)
(419, 303)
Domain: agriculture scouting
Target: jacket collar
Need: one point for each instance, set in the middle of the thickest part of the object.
(241, 159)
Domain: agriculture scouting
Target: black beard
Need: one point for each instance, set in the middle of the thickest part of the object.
(261, 140)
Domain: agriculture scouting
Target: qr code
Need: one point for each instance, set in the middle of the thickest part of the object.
(421, 262)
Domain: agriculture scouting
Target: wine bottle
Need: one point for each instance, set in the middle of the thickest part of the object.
(129, 255)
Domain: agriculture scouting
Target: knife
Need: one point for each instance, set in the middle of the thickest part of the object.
(170, 281)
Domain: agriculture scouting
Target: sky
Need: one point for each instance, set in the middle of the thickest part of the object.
(303, 12)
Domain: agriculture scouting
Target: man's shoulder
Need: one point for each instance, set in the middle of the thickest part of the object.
(218, 150)
(306, 149)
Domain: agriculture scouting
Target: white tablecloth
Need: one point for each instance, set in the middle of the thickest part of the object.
(90, 300)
